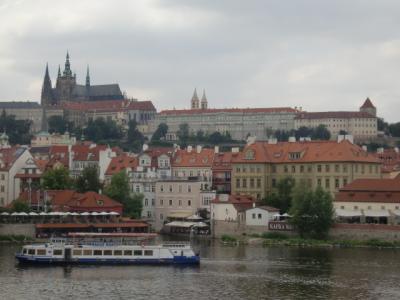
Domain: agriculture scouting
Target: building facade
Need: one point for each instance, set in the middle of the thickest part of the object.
(258, 168)
(239, 122)
(362, 124)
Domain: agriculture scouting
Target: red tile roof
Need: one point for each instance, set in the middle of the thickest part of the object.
(8, 156)
(367, 104)
(370, 190)
(87, 153)
(228, 110)
(223, 161)
(240, 202)
(333, 115)
(120, 163)
(309, 152)
(109, 105)
(183, 158)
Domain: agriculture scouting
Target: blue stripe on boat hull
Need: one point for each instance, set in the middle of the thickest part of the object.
(49, 260)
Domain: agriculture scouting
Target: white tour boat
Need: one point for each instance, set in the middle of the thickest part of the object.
(106, 249)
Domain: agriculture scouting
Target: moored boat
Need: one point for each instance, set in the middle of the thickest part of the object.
(105, 249)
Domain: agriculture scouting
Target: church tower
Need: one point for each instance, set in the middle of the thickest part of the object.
(47, 97)
(195, 102)
(368, 107)
(204, 102)
(65, 82)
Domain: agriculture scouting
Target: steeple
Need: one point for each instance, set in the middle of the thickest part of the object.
(195, 100)
(47, 92)
(87, 77)
(204, 102)
(67, 69)
(59, 72)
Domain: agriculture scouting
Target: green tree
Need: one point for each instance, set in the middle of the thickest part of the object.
(56, 179)
(100, 130)
(282, 199)
(119, 190)
(18, 131)
(135, 138)
(321, 133)
(303, 131)
(20, 206)
(160, 132)
(183, 134)
(59, 124)
(394, 129)
(88, 180)
(312, 212)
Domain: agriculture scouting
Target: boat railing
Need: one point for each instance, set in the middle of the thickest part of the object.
(175, 244)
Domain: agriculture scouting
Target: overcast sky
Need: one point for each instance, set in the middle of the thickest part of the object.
(320, 55)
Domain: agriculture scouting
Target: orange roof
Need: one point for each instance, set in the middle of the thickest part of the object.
(183, 158)
(223, 161)
(367, 104)
(93, 199)
(228, 110)
(304, 152)
(8, 156)
(384, 185)
(41, 164)
(87, 152)
(85, 225)
(120, 163)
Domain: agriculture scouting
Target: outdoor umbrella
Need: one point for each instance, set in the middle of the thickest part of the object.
(32, 213)
(5, 213)
(194, 218)
(114, 213)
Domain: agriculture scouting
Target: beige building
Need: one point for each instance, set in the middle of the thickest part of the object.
(362, 124)
(44, 139)
(176, 199)
(258, 168)
(239, 122)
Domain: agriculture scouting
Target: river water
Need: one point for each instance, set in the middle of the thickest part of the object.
(226, 272)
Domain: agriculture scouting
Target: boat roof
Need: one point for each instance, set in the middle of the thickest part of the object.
(111, 234)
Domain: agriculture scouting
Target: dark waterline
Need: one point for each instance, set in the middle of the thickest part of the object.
(244, 272)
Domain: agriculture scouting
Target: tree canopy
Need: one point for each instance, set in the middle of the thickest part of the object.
(135, 138)
(59, 124)
(88, 180)
(119, 190)
(282, 198)
(18, 131)
(100, 130)
(56, 179)
(160, 132)
(312, 211)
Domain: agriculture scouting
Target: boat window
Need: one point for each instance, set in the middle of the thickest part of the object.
(31, 251)
(107, 252)
(137, 252)
(77, 252)
(148, 252)
(41, 251)
(128, 252)
(57, 252)
(25, 251)
(97, 252)
(87, 252)
(118, 252)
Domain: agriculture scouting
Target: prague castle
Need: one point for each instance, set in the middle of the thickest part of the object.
(67, 89)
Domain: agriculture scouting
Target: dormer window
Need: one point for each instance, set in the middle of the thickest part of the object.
(249, 154)
(294, 155)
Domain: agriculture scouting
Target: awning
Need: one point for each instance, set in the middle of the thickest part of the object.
(376, 213)
(180, 224)
(180, 214)
(194, 217)
(348, 213)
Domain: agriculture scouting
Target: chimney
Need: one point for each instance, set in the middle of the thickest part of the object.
(145, 147)
(223, 197)
(292, 139)
(216, 149)
(364, 147)
(235, 149)
(189, 149)
(380, 150)
(198, 148)
(396, 149)
(272, 141)
(254, 204)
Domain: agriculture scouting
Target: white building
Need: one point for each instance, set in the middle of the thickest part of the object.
(260, 216)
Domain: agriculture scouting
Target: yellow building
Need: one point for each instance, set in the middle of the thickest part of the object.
(329, 164)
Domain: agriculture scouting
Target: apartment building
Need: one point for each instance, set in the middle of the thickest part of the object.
(329, 164)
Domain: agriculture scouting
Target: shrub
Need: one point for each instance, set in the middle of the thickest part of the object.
(228, 239)
(274, 235)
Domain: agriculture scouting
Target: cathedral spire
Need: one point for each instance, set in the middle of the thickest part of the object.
(47, 92)
(87, 77)
(59, 72)
(195, 100)
(67, 69)
(204, 102)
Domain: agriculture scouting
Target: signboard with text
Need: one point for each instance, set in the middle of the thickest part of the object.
(280, 226)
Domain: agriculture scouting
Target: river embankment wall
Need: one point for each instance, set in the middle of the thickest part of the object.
(26, 229)
(338, 231)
